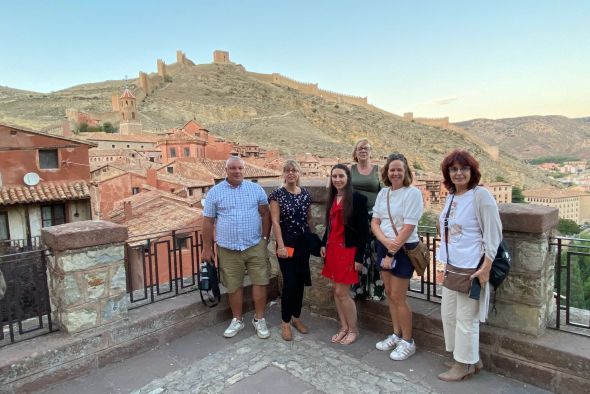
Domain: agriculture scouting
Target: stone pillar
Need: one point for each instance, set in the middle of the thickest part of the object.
(318, 298)
(524, 301)
(86, 273)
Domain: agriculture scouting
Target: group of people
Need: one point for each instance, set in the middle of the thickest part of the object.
(367, 209)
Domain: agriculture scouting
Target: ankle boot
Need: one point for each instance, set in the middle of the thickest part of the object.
(478, 365)
(458, 371)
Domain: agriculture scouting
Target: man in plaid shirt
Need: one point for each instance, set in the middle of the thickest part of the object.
(238, 210)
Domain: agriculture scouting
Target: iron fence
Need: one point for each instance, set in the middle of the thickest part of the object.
(162, 265)
(12, 246)
(25, 310)
(428, 286)
(572, 284)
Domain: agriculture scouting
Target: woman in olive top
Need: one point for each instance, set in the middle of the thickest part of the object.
(365, 180)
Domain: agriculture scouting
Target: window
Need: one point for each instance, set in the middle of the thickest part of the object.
(112, 146)
(48, 159)
(172, 152)
(4, 230)
(170, 170)
(134, 190)
(52, 215)
(187, 152)
(152, 159)
(181, 242)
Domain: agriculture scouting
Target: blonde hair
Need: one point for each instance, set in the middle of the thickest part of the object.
(356, 145)
(290, 163)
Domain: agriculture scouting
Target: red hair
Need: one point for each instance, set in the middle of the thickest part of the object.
(464, 158)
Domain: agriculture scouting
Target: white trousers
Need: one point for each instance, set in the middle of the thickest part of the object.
(460, 318)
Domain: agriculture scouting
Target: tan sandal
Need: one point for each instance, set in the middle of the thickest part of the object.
(350, 338)
(286, 332)
(299, 326)
(336, 338)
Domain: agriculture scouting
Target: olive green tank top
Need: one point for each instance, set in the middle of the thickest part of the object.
(367, 185)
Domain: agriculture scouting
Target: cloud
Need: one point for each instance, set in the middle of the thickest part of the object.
(443, 101)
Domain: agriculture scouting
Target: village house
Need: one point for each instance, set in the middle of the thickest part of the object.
(567, 201)
(181, 144)
(43, 182)
(310, 165)
(502, 191)
(121, 141)
(157, 215)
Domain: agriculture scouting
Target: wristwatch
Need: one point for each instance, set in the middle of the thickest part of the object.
(389, 254)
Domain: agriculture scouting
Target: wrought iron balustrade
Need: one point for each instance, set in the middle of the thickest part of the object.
(572, 297)
(162, 265)
(429, 285)
(25, 310)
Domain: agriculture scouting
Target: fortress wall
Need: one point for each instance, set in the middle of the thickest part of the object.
(343, 98)
(260, 76)
(442, 123)
(162, 68)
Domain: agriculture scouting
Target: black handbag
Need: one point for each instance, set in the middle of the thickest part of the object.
(208, 282)
(500, 265)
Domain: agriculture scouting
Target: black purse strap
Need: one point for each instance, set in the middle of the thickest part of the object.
(446, 223)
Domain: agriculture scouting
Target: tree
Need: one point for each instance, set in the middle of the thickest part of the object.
(517, 194)
(500, 178)
(83, 127)
(428, 219)
(568, 227)
(108, 127)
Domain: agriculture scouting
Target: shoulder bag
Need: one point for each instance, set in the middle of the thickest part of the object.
(420, 255)
(455, 278)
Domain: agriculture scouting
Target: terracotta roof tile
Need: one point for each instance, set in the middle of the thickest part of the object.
(145, 137)
(44, 192)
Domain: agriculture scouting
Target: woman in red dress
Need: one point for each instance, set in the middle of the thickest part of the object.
(343, 247)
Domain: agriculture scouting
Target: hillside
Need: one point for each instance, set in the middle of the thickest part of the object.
(234, 104)
(534, 136)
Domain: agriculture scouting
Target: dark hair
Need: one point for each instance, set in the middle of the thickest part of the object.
(408, 178)
(346, 198)
(463, 158)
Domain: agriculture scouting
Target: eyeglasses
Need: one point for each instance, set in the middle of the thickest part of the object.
(463, 170)
(291, 171)
(366, 147)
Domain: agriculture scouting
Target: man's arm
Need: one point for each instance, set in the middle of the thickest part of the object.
(208, 224)
(265, 216)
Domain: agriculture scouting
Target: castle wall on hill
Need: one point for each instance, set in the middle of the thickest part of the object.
(221, 57)
(442, 123)
(310, 88)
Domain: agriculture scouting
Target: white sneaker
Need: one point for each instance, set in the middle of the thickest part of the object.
(403, 350)
(234, 327)
(261, 328)
(388, 343)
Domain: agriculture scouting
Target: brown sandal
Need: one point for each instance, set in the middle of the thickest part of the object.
(299, 326)
(350, 338)
(339, 336)
(286, 332)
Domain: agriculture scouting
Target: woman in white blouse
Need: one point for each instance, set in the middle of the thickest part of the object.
(470, 231)
(396, 213)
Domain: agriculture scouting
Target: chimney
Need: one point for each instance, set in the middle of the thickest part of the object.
(66, 128)
(128, 210)
(152, 177)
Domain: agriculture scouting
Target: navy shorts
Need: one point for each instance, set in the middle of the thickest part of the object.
(403, 268)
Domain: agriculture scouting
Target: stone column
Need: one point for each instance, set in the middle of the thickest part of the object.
(86, 273)
(318, 298)
(524, 302)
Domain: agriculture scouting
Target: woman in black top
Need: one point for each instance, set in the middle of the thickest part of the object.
(290, 215)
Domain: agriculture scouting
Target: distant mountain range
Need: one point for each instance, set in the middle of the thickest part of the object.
(234, 104)
(529, 137)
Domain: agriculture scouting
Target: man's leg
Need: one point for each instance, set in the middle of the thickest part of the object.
(236, 300)
(259, 295)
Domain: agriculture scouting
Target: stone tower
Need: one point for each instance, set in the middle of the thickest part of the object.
(129, 117)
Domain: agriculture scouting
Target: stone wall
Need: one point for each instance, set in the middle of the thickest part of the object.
(86, 274)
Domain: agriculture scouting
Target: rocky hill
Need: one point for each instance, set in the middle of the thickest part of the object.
(534, 136)
(234, 104)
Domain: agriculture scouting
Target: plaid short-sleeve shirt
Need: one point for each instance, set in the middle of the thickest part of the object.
(238, 225)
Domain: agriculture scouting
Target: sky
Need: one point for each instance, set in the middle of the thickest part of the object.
(462, 59)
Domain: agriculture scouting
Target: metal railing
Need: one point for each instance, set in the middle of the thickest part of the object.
(572, 284)
(428, 286)
(12, 246)
(162, 265)
(25, 310)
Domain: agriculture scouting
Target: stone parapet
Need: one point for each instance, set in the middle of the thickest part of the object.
(86, 274)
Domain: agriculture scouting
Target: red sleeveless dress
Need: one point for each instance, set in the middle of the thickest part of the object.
(339, 261)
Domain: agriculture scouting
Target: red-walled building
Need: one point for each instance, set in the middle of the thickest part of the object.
(43, 182)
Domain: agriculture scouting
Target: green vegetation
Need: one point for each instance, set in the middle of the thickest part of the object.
(579, 273)
(517, 194)
(417, 166)
(106, 127)
(568, 227)
(553, 159)
(500, 178)
(428, 219)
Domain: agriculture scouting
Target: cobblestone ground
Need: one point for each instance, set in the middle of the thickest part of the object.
(308, 365)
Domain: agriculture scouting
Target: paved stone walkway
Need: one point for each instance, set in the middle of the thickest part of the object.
(205, 362)
(315, 367)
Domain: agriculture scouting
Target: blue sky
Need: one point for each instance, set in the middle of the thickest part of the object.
(463, 59)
